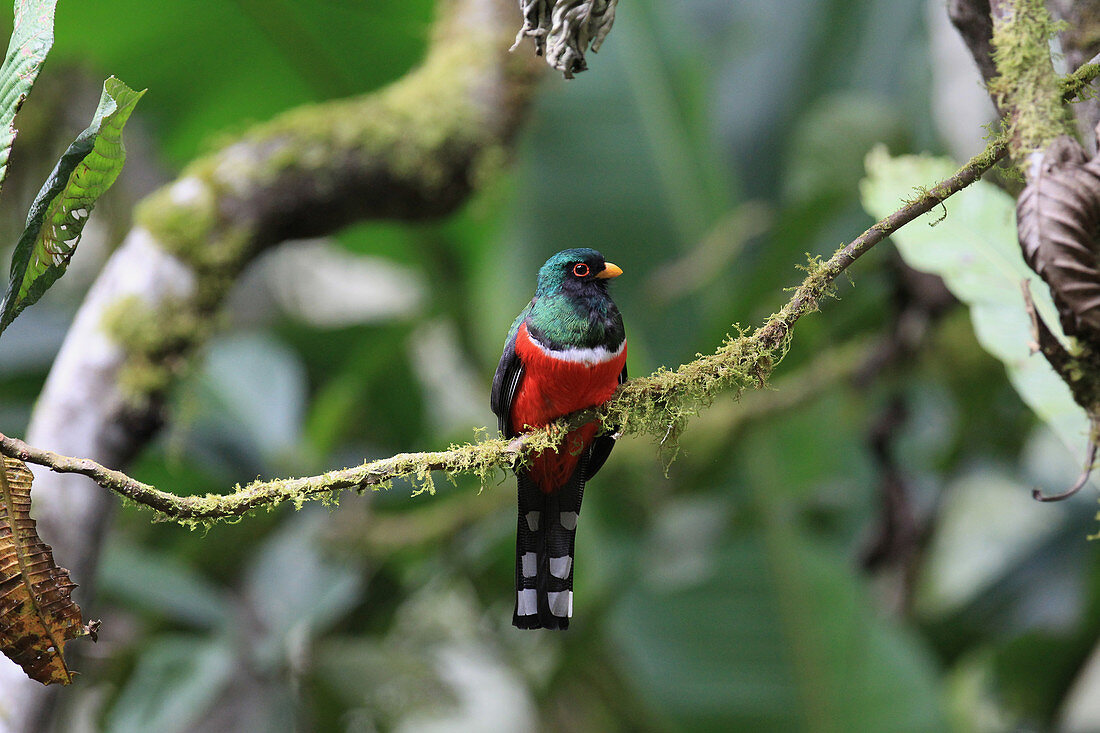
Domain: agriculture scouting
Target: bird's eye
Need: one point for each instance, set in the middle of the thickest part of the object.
(580, 269)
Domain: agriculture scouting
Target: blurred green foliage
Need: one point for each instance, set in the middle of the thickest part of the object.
(976, 252)
(709, 148)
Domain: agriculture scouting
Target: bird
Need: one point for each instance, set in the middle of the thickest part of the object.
(566, 351)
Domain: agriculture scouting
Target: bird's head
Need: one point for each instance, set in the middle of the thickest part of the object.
(576, 271)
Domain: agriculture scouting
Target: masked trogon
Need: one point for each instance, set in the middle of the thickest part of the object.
(565, 352)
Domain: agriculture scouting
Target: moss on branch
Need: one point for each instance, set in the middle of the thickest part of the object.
(657, 405)
(1026, 85)
(416, 149)
(412, 150)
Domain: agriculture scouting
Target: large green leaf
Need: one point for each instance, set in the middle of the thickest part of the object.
(175, 681)
(162, 583)
(973, 248)
(31, 40)
(776, 636)
(58, 214)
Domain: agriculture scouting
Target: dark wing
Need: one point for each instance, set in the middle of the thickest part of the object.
(602, 445)
(506, 381)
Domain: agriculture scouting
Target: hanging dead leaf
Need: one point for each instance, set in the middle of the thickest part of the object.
(1058, 223)
(564, 30)
(37, 615)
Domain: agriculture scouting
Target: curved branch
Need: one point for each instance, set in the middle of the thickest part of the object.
(480, 457)
(417, 148)
(658, 404)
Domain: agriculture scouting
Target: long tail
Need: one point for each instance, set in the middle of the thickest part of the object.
(544, 551)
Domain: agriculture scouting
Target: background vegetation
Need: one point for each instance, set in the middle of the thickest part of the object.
(854, 550)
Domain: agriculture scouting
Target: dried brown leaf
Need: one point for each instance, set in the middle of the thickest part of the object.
(37, 615)
(1058, 222)
(564, 30)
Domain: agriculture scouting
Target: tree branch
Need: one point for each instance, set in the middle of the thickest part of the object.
(1026, 88)
(1080, 43)
(415, 149)
(480, 457)
(972, 20)
(657, 405)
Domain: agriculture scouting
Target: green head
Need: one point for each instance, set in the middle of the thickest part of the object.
(575, 270)
(572, 307)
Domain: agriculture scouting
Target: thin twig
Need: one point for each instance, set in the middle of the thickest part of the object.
(1038, 495)
(1043, 339)
(257, 493)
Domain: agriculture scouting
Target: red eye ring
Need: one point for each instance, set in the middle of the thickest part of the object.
(580, 269)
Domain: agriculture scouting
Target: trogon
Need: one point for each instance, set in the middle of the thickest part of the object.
(566, 351)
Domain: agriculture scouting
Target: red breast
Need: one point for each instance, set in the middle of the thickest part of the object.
(556, 383)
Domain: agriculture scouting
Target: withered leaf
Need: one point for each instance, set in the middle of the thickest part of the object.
(37, 615)
(564, 30)
(1058, 223)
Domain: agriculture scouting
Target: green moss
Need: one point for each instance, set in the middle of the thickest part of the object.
(1082, 375)
(415, 129)
(179, 215)
(184, 221)
(1026, 84)
(990, 155)
(1083, 35)
(418, 126)
(155, 339)
(661, 404)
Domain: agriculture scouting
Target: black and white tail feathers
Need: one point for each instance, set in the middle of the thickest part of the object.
(545, 544)
(544, 554)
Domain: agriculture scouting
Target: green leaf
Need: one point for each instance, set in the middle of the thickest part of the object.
(176, 680)
(974, 249)
(58, 214)
(162, 584)
(986, 526)
(775, 636)
(31, 40)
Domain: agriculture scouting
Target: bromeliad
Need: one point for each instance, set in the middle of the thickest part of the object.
(566, 351)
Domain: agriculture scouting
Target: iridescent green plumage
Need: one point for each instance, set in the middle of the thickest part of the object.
(569, 311)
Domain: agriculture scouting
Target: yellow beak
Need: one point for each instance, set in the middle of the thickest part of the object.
(609, 270)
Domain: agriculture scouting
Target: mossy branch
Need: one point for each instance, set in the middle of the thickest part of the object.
(416, 149)
(1026, 87)
(658, 404)
(481, 458)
